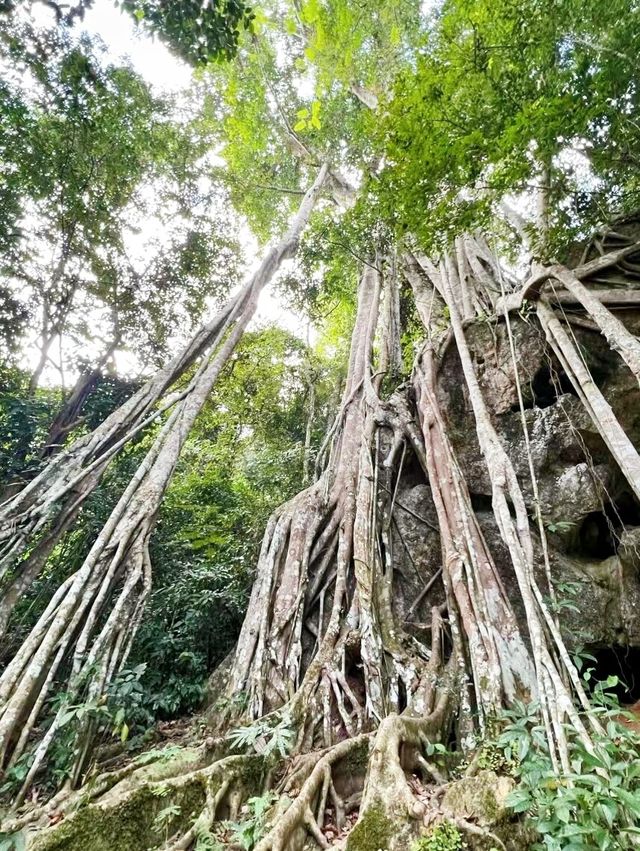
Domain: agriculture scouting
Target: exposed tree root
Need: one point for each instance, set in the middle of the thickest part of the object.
(308, 808)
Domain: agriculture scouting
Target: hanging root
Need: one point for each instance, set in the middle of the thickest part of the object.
(115, 577)
(556, 680)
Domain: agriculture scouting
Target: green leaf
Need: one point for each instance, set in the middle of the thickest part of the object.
(68, 716)
(519, 800)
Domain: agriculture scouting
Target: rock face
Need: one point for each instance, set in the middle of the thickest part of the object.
(591, 518)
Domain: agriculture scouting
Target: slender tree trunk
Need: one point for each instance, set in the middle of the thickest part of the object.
(117, 570)
(619, 338)
(67, 481)
(68, 416)
(599, 409)
(311, 412)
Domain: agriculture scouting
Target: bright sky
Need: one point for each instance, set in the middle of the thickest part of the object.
(148, 55)
(165, 73)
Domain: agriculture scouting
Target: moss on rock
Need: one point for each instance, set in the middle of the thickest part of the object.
(127, 826)
(442, 837)
(126, 818)
(373, 831)
(357, 760)
(482, 801)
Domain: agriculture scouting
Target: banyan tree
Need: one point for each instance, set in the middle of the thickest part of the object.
(412, 592)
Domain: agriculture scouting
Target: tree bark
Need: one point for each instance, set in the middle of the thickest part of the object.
(612, 433)
(119, 559)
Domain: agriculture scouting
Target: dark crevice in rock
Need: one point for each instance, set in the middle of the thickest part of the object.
(402, 695)
(621, 662)
(625, 511)
(412, 472)
(481, 502)
(546, 387)
(598, 536)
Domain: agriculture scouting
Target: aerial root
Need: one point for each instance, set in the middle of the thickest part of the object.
(430, 769)
(386, 780)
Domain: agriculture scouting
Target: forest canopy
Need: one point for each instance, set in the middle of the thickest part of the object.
(368, 577)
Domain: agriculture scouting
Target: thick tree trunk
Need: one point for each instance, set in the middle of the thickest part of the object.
(323, 649)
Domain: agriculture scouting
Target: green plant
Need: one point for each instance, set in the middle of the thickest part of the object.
(164, 818)
(71, 717)
(308, 119)
(249, 831)
(263, 738)
(126, 702)
(443, 837)
(12, 842)
(160, 791)
(559, 525)
(594, 806)
(14, 777)
(579, 657)
(161, 755)
(206, 841)
(492, 758)
(567, 595)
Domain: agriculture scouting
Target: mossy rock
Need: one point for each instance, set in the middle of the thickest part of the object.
(379, 830)
(126, 817)
(480, 799)
(126, 826)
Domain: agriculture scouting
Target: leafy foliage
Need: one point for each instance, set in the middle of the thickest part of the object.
(597, 804)
(506, 97)
(229, 479)
(25, 418)
(264, 737)
(199, 32)
(443, 837)
(250, 830)
(24, 421)
(164, 818)
(14, 842)
(77, 269)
